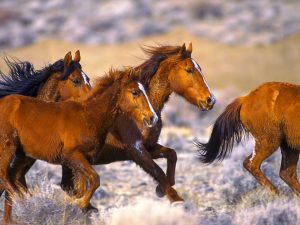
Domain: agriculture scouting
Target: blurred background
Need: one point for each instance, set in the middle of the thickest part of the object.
(239, 45)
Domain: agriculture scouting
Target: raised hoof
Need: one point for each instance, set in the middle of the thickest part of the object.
(159, 191)
(177, 203)
(90, 209)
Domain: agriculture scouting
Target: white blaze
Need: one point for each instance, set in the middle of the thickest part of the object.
(141, 87)
(200, 71)
(85, 78)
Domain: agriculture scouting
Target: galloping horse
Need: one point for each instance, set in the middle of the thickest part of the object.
(270, 114)
(169, 69)
(59, 81)
(70, 133)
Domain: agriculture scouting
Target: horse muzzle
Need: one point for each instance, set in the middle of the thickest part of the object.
(208, 104)
(150, 122)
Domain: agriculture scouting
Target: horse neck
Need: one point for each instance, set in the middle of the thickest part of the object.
(48, 91)
(159, 88)
(101, 108)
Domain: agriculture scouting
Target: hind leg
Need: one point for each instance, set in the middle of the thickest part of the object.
(7, 151)
(263, 149)
(17, 172)
(288, 169)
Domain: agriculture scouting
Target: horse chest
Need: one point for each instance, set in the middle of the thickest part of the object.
(150, 136)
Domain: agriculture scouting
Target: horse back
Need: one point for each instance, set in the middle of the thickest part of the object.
(270, 111)
(45, 129)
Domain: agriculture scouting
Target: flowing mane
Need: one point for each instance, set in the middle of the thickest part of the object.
(23, 79)
(113, 77)
(156, 55)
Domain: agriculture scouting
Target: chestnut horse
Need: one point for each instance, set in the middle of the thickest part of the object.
(70, 133)
(270, 115)
(59, 81)
(169, 69)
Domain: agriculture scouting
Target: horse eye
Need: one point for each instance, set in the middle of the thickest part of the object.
(76, 81)
(135, 93)
(190, 70)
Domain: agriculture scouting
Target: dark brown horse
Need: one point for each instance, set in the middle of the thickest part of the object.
(71, 133)
(57, 82)
(270, 115)
(169, 69)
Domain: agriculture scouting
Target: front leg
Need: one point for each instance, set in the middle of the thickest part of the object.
(159, 151)
(79, 165)
(142, 157)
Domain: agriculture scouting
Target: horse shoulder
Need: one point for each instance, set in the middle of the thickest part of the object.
(75, 127)
(9, 105)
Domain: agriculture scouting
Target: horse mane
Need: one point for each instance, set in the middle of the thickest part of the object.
(156, 54)
(24, 79)
(113, 77)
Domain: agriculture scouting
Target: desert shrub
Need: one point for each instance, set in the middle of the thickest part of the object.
(48, 204)
(278, 212)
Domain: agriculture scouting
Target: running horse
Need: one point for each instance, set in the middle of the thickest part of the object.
(169, 69)
(270, 115)
(71, 133)
(59, 81)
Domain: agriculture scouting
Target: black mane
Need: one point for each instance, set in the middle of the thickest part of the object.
(23, 79)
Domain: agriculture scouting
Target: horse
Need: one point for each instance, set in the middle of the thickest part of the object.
(70, 133)
(270, 115)
(169, 69)
(59, 81)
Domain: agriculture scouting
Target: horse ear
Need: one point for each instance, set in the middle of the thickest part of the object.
(77, 56)
(190, 48)
(67, 59)
(182, 49)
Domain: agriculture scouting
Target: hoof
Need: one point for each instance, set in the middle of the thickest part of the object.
(177, 203)
(90, 209)
(159, 191)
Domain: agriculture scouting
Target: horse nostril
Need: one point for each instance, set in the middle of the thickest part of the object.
(151, 119)
(211, 100)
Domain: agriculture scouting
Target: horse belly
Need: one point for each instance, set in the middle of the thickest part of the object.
(44, 148)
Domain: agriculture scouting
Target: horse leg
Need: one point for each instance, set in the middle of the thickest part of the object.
(288, 169)
(7, 151)
(160, 151)
(73, 185)
(143, 158)
(17, 172)
(67, 180)
(7, 210)
(77, 162)
(252, 163)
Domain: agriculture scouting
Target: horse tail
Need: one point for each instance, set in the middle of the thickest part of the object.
(227, 130)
